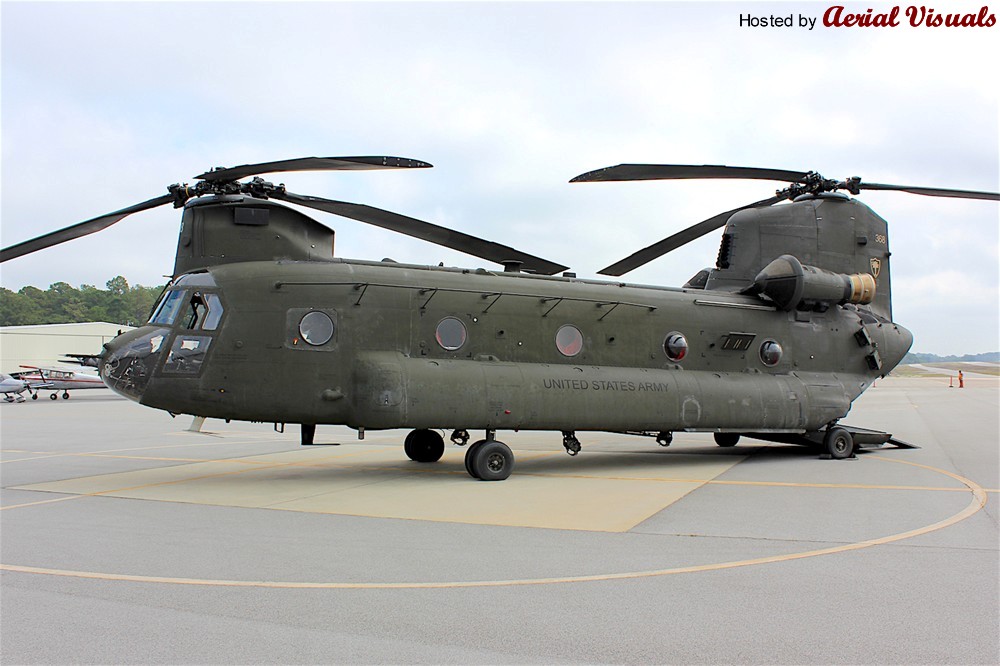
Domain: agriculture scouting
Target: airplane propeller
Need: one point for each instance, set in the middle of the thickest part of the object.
(803, 182)
(223, 181)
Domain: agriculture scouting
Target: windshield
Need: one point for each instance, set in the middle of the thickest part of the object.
(170, 306)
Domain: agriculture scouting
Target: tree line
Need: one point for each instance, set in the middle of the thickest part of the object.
(63, 303)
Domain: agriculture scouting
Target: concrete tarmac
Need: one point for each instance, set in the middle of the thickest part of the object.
(124, 538)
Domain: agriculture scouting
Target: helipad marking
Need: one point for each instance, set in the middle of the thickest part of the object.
(111, 492)
(979, 499)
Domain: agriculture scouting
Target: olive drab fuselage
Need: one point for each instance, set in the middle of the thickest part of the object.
(403, 346)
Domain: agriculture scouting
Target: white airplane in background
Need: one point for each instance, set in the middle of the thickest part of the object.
(56, 379)
(12, 388)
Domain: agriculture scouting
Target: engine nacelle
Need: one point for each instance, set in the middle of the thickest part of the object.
(791, 284)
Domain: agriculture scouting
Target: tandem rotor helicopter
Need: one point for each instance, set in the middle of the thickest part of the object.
(775, 342)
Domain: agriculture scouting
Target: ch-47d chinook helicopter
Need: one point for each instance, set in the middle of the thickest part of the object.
(774, 343)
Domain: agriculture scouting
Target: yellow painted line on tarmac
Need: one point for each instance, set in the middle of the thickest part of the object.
(48, 501)
(774, 484)
(62, 454)
(175, 481)
(978, 501)
(38, 457)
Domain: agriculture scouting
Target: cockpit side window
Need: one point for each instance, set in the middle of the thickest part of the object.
(204, 312)
(169, 308)
(214, 304)
(196, 312)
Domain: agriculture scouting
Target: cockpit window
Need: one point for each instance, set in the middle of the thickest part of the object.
(166, 313)
(187, 354)
(214, 304)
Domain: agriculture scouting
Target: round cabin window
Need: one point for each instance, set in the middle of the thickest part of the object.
(770, 353)
(316, 328)
(450, 334)
(569, 340)
(675, 346)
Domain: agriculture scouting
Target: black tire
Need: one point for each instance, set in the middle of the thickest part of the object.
(54, 396)
(727, 439)
(839, 443)
(34, 396)
(424, 446)
(494, 461)
(470, 455)
(65, 395)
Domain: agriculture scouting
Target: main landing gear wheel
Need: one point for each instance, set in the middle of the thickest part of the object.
(491, 460)
(470, 455)
(53, 396)
(425, 446)
(65, 395)
(839, 443)
(727, 439)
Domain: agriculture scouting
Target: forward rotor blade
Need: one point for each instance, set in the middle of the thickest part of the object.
(78, 230)
(443, 236)
(686, 171)
(312, 164)
(671, 243)
(933, 191)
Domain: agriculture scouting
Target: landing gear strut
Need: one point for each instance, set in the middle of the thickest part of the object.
(488, 459)
(571, 443)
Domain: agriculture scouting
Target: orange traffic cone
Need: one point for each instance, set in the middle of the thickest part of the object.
(951, 382)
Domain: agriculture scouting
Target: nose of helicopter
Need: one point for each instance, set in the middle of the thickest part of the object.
(129, 360)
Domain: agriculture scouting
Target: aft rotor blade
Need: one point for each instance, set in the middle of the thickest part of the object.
(312, 164)
(78, 230)
(443, 236)
(686, 171)
(933, 191)
(671, 243)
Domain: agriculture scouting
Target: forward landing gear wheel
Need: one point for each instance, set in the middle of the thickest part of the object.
(34, 396)
(727, 439)
(839, 443)
(470, 455)
(493, 461)
(425, 446)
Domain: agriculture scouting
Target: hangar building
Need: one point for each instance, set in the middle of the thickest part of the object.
(46, 344)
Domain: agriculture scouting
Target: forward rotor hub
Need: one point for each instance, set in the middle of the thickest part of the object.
(256, 187)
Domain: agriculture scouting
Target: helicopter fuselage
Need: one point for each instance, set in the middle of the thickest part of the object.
(384, 345)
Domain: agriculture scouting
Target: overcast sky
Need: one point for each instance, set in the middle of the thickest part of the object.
(103, 105)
